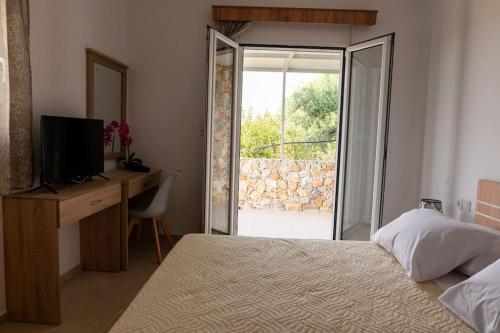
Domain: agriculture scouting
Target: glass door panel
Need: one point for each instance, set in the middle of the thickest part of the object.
(223, 59)
(363, 153)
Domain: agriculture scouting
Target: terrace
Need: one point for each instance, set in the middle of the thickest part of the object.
(288, 141)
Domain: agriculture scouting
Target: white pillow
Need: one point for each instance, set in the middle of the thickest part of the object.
(428, 244)
(477, 300)
(481, 261)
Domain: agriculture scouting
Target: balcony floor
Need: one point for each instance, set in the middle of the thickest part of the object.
(284, 224)
(288, 224)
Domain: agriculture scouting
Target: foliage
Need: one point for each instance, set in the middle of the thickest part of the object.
(313, 109)
(310, 115)
(261, 131)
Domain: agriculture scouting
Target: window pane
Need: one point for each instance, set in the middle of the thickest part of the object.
(361, 142)
(221, 137)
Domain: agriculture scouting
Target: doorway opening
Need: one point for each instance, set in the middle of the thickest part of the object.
(290, 107)
(283, 157)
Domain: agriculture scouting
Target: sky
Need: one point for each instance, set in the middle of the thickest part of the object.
(262, 90)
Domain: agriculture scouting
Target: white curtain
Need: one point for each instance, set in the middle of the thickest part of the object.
(4, 104)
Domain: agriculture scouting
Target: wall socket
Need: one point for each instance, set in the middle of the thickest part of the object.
(464, 205)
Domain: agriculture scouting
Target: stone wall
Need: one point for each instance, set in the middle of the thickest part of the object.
(295, 185)
(221, 134)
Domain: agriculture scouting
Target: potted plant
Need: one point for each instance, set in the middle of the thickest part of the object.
(122, 130)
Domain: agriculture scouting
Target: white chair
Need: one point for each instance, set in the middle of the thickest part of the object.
(153, 212)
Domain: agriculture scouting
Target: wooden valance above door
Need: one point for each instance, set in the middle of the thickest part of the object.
(304, 15)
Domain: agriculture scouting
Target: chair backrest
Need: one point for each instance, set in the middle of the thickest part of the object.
(159, 204)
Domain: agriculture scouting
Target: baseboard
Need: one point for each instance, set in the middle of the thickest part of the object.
(70, 274)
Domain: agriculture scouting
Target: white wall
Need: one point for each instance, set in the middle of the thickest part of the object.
(280, 33)
(443, 102)
(478, 144)
(463, 115)
(168, 88)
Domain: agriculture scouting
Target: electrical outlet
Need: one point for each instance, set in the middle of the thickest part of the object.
(464, 205)
(467, 205)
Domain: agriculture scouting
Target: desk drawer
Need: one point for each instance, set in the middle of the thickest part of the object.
(144, 183)
(77, 208)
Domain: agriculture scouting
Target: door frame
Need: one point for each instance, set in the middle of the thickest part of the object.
(378, 199)
(213, 37)
(387, 42)
(338, 147)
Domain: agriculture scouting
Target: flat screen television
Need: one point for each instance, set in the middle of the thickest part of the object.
(72, 149)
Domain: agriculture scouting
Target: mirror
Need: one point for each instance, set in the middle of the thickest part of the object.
(107, 94)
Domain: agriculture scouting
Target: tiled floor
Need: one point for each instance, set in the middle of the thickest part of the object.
(284, 224)
(93, 301)
(287, 224)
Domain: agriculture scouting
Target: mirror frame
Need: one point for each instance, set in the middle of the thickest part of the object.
(95, 57)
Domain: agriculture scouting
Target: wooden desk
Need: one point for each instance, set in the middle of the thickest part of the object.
(31, 222)
(133, 184)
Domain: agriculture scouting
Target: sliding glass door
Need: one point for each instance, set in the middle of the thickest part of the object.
(222, 128)
(364, 138)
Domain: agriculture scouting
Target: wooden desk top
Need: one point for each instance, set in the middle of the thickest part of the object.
(66, 192)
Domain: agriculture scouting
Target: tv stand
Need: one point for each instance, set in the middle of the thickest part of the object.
(45, 186)
(31, 223)
(84, 179)
(102, 176)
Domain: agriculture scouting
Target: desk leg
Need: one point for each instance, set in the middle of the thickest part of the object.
(124, 229)
(100, 240)
(32, 260)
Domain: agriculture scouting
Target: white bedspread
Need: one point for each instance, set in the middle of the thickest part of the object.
(242, 284)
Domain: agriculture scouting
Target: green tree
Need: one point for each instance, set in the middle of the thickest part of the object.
(258, 132)
(312, 110)
(311, 115)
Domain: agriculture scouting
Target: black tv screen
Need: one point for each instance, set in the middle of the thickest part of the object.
(72, 148)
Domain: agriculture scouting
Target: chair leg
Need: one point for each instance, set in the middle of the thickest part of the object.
(157, 239)
(138, 234)
(130, 228)
(131, 225)
(166, 230)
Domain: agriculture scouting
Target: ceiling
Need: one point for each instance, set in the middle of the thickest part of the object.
(298, 60)
(293, 60)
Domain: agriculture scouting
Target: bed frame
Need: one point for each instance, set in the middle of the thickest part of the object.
(488, 203)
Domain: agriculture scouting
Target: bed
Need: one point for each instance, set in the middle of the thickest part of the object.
(242, 284)
(211, 283)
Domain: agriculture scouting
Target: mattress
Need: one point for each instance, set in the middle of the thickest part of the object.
(243, 284)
